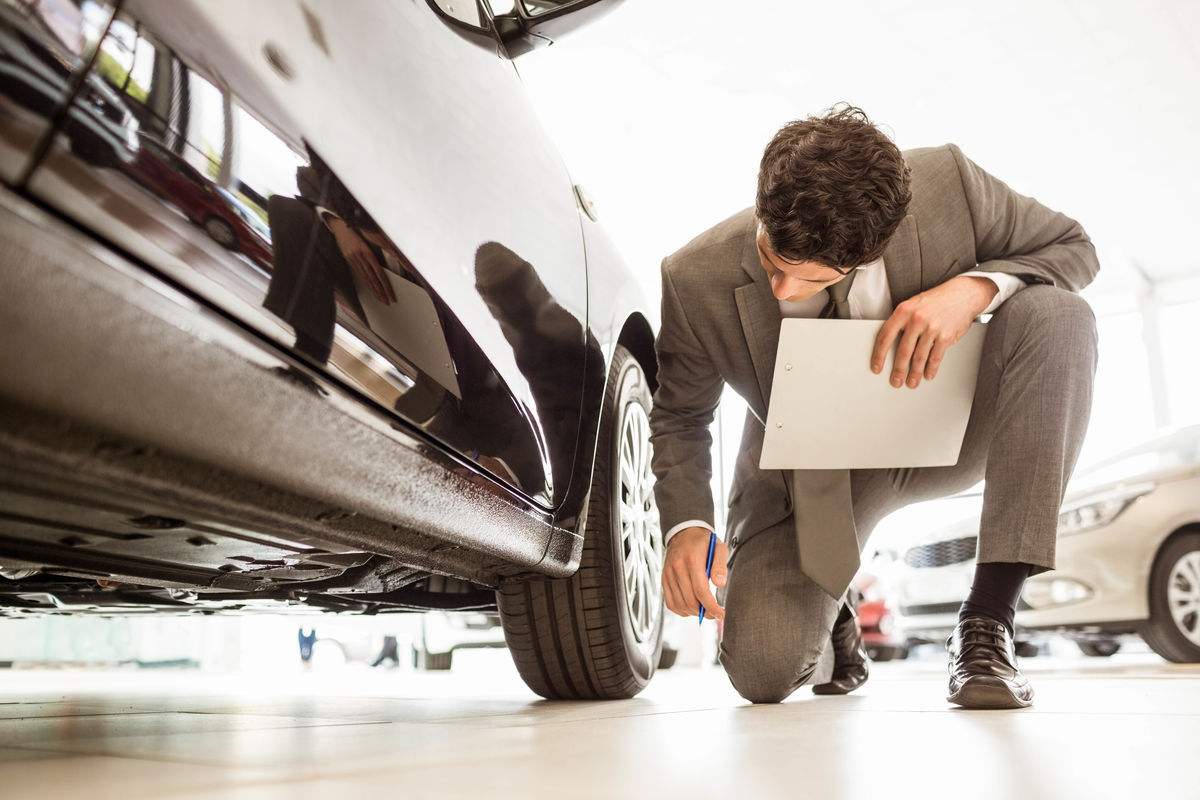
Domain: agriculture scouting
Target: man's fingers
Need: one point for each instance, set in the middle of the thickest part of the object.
(908, 343)
(671, 590)
(920, 356)
(361, 272)
(935, 358)
(385, 290)
(387, 285)
(668, 590)
(883, 340)
(368, 275)
(700, 587)
(685, 602)
(720, 570)
(372, 275)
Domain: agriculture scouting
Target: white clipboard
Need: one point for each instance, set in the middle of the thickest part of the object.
(829, 411)
(410, 325)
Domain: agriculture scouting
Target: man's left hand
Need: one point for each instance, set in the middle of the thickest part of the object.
(927, 324)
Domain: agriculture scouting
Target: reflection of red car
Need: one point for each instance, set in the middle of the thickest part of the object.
(222, 216)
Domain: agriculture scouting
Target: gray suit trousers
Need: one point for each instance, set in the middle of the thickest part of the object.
(1032, 402)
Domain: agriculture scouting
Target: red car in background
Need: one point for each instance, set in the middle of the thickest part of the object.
(226, 219)
(876, 616)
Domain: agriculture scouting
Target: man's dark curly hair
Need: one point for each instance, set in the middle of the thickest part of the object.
(832, 189)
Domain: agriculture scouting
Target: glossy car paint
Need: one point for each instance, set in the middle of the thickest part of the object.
(414, 132)
(42, 57)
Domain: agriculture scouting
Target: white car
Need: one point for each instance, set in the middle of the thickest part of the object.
(1128, 558)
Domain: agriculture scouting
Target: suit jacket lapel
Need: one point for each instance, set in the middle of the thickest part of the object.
(759, 309)
(759, 313)
(902, 262)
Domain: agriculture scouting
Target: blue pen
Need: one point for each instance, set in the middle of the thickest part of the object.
(712, 548)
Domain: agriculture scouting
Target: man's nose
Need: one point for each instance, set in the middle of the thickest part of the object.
(782, 286)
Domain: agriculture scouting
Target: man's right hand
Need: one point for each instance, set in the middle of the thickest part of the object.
(685, 585)
(360, 258)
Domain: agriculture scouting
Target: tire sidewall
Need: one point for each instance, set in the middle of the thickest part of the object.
(631, 387)
(1160, 612)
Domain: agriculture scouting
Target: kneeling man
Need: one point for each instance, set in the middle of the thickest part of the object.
(847, 226)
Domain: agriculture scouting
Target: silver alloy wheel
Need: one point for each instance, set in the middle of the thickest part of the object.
(1183, 595)
(641, 537)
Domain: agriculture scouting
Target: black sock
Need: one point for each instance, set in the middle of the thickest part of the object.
(995, 591)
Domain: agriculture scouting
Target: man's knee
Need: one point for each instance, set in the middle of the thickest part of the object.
(1042, 306)
(1058, 324)
(767, 667)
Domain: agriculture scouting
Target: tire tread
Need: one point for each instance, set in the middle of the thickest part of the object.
(564, 634)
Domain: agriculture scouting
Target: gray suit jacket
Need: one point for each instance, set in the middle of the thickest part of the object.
(720, 321)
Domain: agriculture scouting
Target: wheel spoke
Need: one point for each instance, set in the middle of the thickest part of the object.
(1183, 595)
(630, 569)
(639, 522)
(653, 558)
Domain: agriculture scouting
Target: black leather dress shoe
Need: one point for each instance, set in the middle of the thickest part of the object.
(850, 662)
(983, 666)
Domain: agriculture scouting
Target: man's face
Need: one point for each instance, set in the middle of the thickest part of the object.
(793, 280)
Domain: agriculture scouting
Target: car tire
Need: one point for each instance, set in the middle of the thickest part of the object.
(221, 232)
(667, 658)
(1175, 582)
(1099, 648)
(589, 636)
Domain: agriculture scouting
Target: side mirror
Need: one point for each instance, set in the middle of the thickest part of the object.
(525, 25)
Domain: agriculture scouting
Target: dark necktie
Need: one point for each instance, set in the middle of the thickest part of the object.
(821, 504)
(838, 306)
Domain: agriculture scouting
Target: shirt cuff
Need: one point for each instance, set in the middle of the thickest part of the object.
(1006, 286)
(691, 523)
(324, 214)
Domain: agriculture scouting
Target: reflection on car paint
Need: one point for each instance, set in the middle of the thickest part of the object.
(167, 160)
(42, 46)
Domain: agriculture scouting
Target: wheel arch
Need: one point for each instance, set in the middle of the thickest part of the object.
(637, 337)
(1180, 530)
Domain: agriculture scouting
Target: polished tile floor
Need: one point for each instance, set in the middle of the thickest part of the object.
(1122, 728)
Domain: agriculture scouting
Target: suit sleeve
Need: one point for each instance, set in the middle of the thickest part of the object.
(1019, 236)
(689, 390)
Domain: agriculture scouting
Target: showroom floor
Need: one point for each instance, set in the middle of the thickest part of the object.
(1124, 727)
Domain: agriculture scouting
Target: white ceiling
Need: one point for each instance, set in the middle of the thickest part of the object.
(662, 108)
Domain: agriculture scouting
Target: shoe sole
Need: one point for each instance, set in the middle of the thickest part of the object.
(821, 689)
(827, 689)
(981, 693)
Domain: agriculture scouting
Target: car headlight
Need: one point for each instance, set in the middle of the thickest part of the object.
(1095, 512)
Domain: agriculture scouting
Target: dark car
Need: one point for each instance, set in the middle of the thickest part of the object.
(416, 376)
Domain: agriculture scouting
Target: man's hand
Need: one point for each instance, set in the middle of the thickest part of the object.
(360, 258)
(685, 585)
(927, 324)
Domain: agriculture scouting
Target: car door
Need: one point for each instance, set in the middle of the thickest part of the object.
(365, 184)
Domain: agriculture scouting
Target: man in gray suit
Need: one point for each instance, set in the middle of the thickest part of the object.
(845, 225)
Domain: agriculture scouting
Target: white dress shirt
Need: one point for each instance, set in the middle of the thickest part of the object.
(870, 298)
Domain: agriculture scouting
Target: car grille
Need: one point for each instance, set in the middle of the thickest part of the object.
(939, 554)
